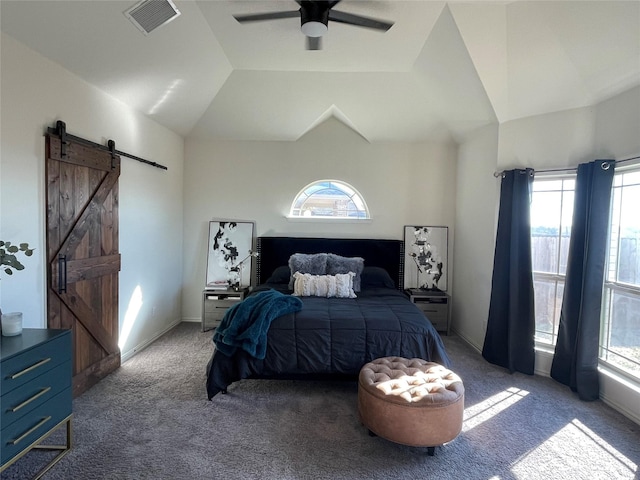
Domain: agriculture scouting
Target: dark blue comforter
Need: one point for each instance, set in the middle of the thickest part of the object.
(333, 337)
(245, 325)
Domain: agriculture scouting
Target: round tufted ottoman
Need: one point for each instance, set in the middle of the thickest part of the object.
(410, 401)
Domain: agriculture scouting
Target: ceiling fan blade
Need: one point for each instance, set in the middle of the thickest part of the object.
(328, 4)
(360, 21)
(254, 17)
(314, 43)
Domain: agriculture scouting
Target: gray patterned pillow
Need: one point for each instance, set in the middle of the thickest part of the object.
(313, 263)
(337, 264)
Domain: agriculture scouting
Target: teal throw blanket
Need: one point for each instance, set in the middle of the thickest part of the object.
(245, 325)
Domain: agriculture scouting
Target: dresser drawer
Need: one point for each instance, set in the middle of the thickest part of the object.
(22, 400)
(26, 430)
(31, 363)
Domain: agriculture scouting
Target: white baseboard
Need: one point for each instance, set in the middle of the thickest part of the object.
(124, 356)
(192, 319)
(633, 416)
(620, 393)
(467, 341)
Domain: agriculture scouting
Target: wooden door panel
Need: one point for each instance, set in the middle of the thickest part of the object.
(54, 312)
(83, 257)
(79, 154)
(91, 267)
(89, 319)
(89, 351)
(110, 228)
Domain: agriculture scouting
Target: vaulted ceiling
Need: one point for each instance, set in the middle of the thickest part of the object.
(442, 70)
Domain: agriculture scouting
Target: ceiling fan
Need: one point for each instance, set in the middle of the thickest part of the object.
(314, 19)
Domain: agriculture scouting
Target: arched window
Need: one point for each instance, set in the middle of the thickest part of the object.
(329, 199)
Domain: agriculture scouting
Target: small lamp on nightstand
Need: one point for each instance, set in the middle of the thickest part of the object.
(237, 270)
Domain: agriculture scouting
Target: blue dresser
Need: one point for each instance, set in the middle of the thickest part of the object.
(35, 393)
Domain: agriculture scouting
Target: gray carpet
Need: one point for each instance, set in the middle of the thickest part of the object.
(151, 420)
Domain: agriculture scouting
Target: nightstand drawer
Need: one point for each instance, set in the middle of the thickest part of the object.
(213, 316)
(437, 316)
(26, 430)
(432, 308)
(433, 301)
(22, 400)
(216, 303)
(29, 364)
(211, 306)
(435, 307)
(216, 315)
(440, 323)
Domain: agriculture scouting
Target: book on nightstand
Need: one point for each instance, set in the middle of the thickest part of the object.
(217, 286)
(424, 291)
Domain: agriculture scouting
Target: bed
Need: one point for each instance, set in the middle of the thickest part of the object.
(331, 338)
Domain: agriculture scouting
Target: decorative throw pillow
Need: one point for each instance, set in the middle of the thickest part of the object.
(313, 263)
(281, 274)
(376, 277)
(307, 285)
(338, 264)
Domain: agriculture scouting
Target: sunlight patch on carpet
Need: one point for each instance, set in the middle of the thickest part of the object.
(596, 454)
(605, 447)
(483, 411)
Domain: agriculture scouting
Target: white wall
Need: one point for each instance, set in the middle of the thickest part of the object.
(553, 140)
(401, 183)
(610, 129)
(617, 132)
(477, 192)
(35, 93)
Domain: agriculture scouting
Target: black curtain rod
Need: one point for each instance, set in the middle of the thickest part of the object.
(60, 130)
(569, 169)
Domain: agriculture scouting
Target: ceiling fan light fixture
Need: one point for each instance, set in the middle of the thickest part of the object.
(314, 29)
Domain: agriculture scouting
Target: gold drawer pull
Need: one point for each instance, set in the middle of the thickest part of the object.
(28, 369)
(31, 430)
(27, 402)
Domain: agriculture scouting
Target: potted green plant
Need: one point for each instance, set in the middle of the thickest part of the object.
(9, 259)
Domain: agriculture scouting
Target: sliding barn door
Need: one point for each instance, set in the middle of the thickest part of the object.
(82, 254)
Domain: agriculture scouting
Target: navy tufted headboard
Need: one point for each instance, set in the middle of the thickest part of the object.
(275, 252)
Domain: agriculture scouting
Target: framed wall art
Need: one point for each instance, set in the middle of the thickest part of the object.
(229, 254)
(426, 257)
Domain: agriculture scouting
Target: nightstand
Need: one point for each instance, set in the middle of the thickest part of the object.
(434, 305)
(215, 304)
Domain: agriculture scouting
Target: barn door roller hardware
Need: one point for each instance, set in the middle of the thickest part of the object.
(61, 131)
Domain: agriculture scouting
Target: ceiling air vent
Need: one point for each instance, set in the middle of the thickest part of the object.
(151, 14)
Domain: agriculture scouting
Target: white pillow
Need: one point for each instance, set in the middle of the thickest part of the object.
(307, 285)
